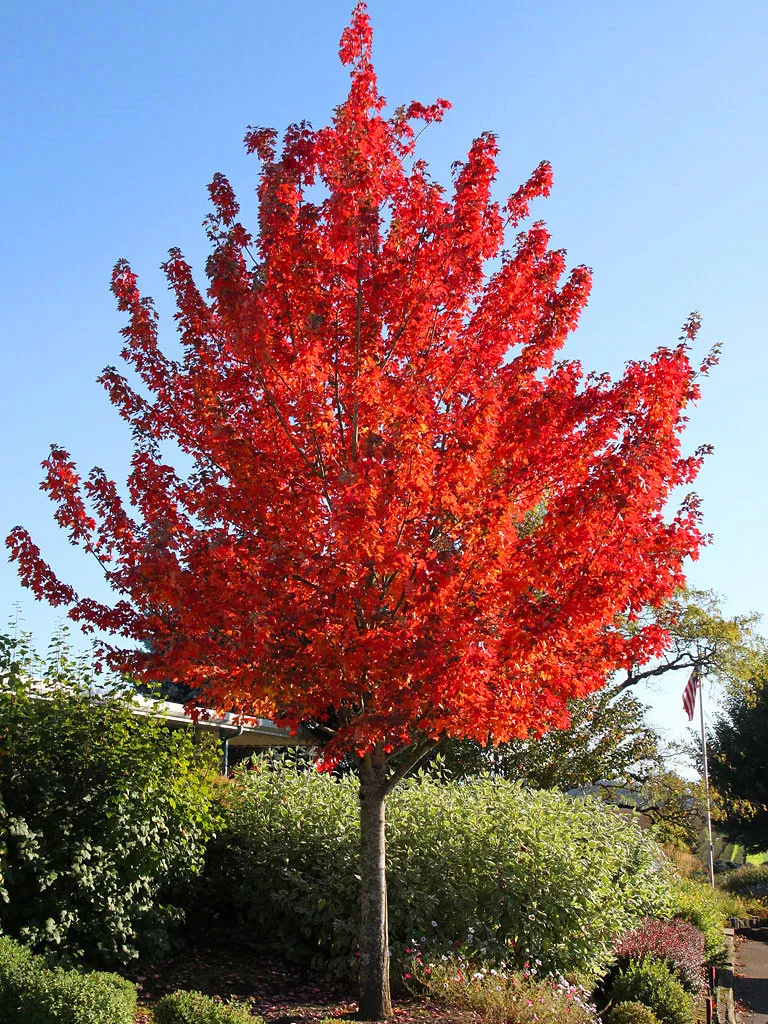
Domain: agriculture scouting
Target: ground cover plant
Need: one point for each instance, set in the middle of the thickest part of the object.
(101, 812)
(508, 874)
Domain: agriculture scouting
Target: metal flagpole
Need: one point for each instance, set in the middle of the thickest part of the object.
(706, 786)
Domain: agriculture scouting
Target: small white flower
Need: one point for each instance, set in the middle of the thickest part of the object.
(434, 924)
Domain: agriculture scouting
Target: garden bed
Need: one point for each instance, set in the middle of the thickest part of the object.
(277, 991)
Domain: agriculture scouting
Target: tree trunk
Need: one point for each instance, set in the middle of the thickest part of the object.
(375, 1000)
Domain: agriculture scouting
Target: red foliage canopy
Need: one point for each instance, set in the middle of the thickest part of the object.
(405, 517)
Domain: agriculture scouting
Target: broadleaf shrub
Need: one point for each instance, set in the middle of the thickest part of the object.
(700, 904)
(679, 944)
(101, 812)
(510, 873)
(652, 983)
(195, 1008)
(33, 993)
(630, 1013)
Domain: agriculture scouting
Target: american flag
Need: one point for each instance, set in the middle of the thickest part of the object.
(689, 694)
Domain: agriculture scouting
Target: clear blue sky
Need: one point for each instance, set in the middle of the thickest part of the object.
(653, 116)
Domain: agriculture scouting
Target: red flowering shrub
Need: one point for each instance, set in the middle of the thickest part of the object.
(677, 943)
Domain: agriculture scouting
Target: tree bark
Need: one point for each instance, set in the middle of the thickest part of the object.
(375, 999)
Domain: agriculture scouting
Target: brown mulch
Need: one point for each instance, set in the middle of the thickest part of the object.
(279, 992)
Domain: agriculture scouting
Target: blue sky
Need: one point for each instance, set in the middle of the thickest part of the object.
(653, 116)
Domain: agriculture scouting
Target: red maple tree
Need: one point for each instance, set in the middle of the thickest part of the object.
(405, 519)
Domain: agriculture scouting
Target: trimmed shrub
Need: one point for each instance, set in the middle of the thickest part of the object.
(31, 993)
(700, 905)
(651, 982)
(17, 965)
(679, 944)
(509, 873)
(630, 1013)
(102, 812)
(195, 1008)
(68, 997)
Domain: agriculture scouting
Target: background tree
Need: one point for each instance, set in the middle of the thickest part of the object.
(675, 806)
(738, 764)
(607, 739)
(373, 422)
(727, 649)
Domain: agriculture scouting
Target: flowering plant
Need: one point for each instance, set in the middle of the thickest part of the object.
(499, 993)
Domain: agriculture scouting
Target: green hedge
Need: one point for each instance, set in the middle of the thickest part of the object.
(510, 873)
(101, 814)
(32, 993)
(195, 1008)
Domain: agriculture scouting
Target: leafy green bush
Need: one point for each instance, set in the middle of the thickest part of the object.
(748, 880)
(510, 873)
(100, 811)
(630, 1013)
(699, 904)
(195, 1008)
(31, 993)
(17, 965)
(651, 982)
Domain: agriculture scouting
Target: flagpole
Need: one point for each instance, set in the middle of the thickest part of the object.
(706, 786)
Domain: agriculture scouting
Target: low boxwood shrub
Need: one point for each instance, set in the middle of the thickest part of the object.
(510, 873)
(630, 1013)
(196, 1008)
(69, 997)
(679, 944)
(33, 993)
(652, 983)
(17, 966)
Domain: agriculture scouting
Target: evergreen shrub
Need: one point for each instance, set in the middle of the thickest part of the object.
(196, 1008)
(652, 983)
(630, 1013)
(33, 993)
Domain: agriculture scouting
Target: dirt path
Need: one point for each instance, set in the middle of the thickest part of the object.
(750, 983)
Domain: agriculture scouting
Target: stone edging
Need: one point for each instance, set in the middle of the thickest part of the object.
(724, 1007)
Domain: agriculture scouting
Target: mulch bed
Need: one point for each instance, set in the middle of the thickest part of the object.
(280, 993)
